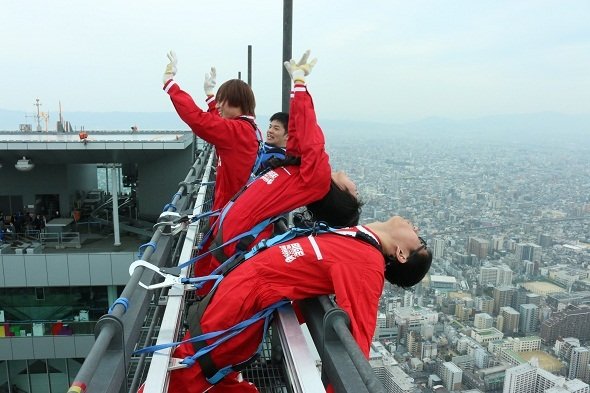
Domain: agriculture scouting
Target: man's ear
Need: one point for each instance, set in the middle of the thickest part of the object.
(400, 255)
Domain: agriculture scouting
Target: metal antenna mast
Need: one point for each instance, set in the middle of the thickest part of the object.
(38, 117)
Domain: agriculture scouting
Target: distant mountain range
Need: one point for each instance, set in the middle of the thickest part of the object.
(537, 125)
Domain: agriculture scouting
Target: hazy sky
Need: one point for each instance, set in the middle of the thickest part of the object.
(377, 60)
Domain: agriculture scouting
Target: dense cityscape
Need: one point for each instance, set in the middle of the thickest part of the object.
(505, 308)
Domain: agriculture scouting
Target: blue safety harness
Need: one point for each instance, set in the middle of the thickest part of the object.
(212, 373)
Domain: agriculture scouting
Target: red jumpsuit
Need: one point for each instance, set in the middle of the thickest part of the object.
(301, 268)
(235, 142)
(285, 188)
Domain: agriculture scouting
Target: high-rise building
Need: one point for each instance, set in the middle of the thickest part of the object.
(483, 321)
(545, 240)
(528, 252)
(497, 243)
(502, 297)
(429, 350)
(579, 364)
(479, 247)
(520, 379)
(438, 248)
(546, 380)
(528, 378)
(408, 298)
(485, 304)
(511, 320)
(414, 343)
(462, 312)
(529, 318)
(393, 378)
(488, 275)
(571, 322)
(451, 375)
(504, 275)
(563, 347)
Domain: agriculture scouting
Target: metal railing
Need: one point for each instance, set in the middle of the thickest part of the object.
(343, 363)
(105, 367)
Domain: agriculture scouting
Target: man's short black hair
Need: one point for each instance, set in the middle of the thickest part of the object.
(338, 208)
(408, 274)
(283, 118)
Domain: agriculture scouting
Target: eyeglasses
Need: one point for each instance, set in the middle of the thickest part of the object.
(423, 246)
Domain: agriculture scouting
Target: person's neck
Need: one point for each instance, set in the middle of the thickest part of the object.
(274, 145)
(383, 232)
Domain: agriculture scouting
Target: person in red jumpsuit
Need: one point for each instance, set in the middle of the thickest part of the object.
(304, 267)
(331, 196)
(230, 128)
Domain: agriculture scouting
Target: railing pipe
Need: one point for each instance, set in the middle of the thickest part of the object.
(344, 366)
(109, 355)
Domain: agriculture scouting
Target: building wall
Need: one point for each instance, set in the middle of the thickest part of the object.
(158, 181)
(62, 180)
(58, 270)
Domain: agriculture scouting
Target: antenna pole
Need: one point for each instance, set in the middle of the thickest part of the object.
(38, 104)
(287, 50)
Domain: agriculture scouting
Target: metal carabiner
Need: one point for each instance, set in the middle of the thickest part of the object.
(169, 279)
(176, 364)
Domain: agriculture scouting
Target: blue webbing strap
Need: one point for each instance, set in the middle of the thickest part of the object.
(224, 334)
(221, 373)
(122, 301)
(319, 227)
(153, 245)
(254, 232)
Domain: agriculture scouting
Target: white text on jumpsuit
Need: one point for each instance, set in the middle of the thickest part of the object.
(291, 251)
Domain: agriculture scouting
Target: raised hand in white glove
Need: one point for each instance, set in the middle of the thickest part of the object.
(210, 82)
(171, 67)
(299, 70)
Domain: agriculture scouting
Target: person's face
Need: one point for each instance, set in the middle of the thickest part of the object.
(226, 111)
(344, 183)
(408, 241)
(276, 134)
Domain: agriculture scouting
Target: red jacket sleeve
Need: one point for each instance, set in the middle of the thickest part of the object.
(306, 139)
(209, 126)
(211, 105)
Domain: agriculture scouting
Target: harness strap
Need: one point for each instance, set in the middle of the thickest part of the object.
(244, 239)
(202, 350)
(194, 316)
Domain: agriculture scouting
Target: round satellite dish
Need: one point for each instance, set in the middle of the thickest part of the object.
(24, 165)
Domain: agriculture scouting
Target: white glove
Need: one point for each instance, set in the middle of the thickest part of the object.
(210, 82)
(171, 67)
(299, 70)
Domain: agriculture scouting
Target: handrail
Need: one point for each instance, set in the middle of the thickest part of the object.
(104, 369)
(157, 377)
(343, 364)
(300, 365)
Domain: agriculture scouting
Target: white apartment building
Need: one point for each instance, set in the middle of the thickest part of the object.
(483, 321)
(451, 375)
(520, 379)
